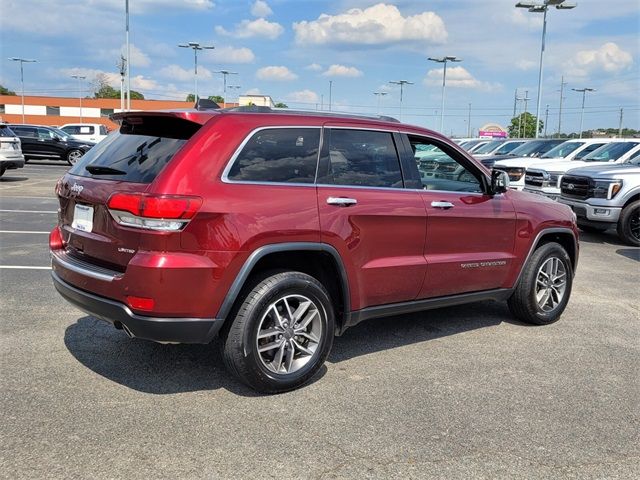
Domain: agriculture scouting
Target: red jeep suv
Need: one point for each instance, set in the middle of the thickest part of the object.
(277, 230)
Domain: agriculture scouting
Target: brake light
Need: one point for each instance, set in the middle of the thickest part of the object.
(55, 239)
(153, 212)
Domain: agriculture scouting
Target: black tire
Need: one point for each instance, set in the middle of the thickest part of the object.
(523, 303)
(240, 341)
(629, 224)
(2, 170)
(74, 155)
(591, 228)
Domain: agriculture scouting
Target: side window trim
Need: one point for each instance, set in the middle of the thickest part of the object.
(224, 177)
(323, 163)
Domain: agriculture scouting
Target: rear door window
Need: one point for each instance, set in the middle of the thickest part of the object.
(360, 158)
(278, 155)
(138, 152)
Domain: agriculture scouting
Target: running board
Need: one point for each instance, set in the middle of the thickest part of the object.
(354, 318)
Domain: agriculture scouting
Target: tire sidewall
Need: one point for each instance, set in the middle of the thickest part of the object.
(288, 286)
(69, 156)
(541, 255)
(627, 215)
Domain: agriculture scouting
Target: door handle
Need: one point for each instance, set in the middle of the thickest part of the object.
(444, 205)
(342, 201)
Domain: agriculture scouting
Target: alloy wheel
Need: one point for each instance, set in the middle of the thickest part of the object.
(551, 284)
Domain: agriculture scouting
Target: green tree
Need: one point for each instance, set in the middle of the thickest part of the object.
(104, 90)
(216, 98)
(524, 126)
(5, 91)
(281, 105)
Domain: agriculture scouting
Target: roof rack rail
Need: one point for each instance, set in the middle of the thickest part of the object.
(324, 113)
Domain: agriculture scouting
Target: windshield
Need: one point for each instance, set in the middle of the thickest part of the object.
(507, 148)
(64, 135)
(562, 150)
(489, 147)
(610, 152)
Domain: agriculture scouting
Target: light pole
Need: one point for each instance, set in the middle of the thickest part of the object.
(469, 124)
(584, 94)
(379, 95)
(537, 7)
(126, 39)
(330, 93)
(22, 62)
(195, 46)
(444, 61)
(402, 83)
(224, 91)
(236, 87)
(123, 71)
(79, 78)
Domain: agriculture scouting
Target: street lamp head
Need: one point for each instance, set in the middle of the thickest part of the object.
(453, 59)
(553, 2)
(23, 60)
(538, 9)
(566, 6)
(527, 4)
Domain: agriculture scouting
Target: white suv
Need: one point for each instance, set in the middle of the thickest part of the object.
(92, 132)
(10, 151)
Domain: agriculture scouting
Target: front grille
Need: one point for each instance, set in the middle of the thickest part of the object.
(534, 179)
(575, 187)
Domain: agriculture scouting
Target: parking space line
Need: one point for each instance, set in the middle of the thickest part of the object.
(3, 197)
(22, 267)
(25, 231)
(29, 211)
(24, 185)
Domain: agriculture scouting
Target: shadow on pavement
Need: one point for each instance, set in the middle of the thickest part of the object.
(166, 369)
(7, 178)
(387, 333)
(609, 237)
(632, 253)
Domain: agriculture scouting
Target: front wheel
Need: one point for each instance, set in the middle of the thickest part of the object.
(281, 334)
(73, 156)
(544, 288)
(629, 224)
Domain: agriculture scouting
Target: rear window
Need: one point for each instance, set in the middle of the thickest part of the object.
(138, 151)
(6, 131)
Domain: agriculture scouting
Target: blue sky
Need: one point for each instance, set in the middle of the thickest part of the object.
(291, 49)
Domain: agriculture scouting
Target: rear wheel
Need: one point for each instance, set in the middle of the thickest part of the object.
(629, 224)
(281, 334)
(544, 287)
(74, 155)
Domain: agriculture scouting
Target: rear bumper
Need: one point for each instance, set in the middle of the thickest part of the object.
(157, 329)
(10, 163)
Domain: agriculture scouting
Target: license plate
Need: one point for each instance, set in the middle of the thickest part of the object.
(83, 218)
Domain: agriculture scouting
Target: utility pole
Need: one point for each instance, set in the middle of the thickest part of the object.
(515, 101)
(79, 78)
(584, 94)
(379, 95)
(402, 83)
(123, 71)
(22, 62)
(546, 120)
(526, 100)
(330, 92)
(469, 123)
(620, 127)
(562, 84)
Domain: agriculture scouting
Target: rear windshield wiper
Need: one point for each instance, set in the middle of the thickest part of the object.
(102, 170)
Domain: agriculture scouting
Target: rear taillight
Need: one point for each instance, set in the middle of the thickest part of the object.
(55, 239)
(140, 303)
(165, 213)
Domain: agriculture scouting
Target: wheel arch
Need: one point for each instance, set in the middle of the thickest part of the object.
(319, 260)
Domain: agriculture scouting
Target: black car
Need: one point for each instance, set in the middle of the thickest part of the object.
(39, 142)
(532, 148)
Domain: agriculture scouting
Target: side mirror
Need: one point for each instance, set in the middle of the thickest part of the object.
(499, 181)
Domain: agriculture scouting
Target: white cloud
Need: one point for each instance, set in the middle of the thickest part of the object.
(138, 57)
(227, 54)
(303, 96)
(376, 25)
(253, 91)
(314, 67)
(261, 9)
(177, 73)
(253, 28)
(522, 18)
(277, 73)
(523, 64)
(608, 57)
(336, 70)
(458, 77)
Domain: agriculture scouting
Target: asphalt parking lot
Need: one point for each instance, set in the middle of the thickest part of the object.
(463, 392)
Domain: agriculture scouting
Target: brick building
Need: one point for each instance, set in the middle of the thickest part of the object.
(57, 111)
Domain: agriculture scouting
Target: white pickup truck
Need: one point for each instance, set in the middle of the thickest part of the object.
(545, 178)
(92, 132)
